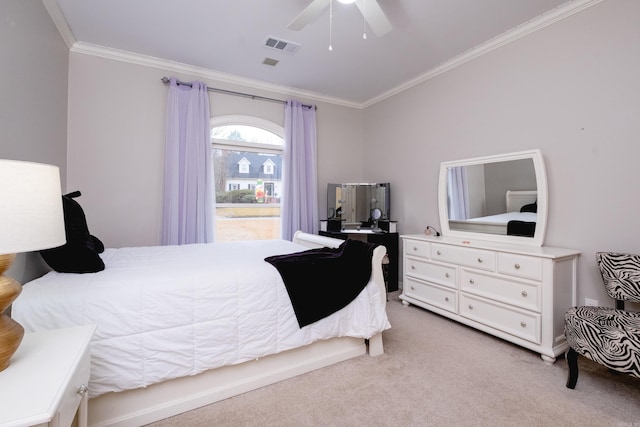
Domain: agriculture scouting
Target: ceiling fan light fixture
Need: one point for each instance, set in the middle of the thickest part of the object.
(347, 1)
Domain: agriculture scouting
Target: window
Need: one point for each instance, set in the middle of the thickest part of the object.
(268, 167)
(247, 197)
(244, 165)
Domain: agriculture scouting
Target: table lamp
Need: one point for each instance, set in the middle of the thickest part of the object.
(31, 218)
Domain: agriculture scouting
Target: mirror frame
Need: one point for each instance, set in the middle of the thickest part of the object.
(541, 184)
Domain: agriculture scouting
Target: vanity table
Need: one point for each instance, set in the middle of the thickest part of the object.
(482, 273)
(362, 211)
(386, 239)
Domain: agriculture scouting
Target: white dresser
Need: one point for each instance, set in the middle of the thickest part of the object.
(517, 293)
(46, 381)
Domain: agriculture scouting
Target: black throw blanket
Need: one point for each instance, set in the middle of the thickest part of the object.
(324, 280)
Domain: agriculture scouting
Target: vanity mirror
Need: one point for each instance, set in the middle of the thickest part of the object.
(499, 198)
(357, 205)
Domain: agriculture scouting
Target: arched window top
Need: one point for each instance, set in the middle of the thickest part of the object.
(247, 129)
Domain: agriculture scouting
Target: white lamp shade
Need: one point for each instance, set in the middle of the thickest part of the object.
(31, 216)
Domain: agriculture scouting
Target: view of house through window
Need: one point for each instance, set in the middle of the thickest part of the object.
(248, 179)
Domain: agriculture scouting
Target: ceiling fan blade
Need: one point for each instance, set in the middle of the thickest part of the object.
(375, 17)
(309, 14)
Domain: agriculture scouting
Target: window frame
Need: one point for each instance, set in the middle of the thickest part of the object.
(257, 122)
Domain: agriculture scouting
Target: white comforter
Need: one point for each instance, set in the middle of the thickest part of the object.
(171, 311)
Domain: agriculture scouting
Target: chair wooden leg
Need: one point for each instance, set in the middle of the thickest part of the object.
(572, 361)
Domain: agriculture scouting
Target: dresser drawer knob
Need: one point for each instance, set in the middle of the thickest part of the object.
(524, 293)
(470, 307)
(446, 275)
(480, 260)
(471, 281)
(438, 253)
(523, 324)
(415, 248)
(446, 299)
(413, 288)
(83, 390)
(413, 267)
(516, 266)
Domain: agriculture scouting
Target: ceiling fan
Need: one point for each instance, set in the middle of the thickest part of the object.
(370, 9)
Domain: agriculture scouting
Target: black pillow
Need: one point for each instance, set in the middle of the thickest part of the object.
(532, 207)
(80, 253)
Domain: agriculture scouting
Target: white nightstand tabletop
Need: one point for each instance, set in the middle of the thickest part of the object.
(33, 386)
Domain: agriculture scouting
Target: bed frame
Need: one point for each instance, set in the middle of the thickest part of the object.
(517, 199)
(163, 400)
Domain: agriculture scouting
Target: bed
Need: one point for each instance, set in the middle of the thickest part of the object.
(229, 327)
(498, 224)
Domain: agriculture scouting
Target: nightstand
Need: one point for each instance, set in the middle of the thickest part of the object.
(46, 381)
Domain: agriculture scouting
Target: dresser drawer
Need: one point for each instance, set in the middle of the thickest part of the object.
(477, 258)
(441, 274)
(435, 295)
(511, 320)
(520, 266)
(518, 293)
(75, 390)
(416, 248)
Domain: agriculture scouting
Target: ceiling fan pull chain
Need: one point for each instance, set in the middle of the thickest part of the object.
(364, 19)
(330, 23)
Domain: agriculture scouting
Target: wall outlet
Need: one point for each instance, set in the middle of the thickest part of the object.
(589, 301)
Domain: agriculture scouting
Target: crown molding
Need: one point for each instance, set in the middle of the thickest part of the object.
(559, 13)
(554, 15)
(60, 22)
(204, 73)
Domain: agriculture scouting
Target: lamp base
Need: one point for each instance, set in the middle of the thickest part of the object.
(11, 332)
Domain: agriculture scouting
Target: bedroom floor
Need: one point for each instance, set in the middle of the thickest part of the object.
(434, 372)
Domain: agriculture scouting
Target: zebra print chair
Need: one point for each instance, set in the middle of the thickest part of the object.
(608, 336)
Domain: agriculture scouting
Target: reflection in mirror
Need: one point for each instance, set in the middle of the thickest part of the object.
(496, 198)
(334, 201)
(353, 203)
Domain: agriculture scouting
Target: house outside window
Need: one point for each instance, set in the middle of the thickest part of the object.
(247, 156)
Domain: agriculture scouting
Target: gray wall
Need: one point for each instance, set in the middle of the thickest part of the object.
(501, 177)
(571, 89)
(116, 142)
(33, 106)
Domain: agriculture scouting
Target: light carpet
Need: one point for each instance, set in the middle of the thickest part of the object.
(435, 372)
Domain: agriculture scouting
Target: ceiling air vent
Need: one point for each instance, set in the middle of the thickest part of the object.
(281, 45)
(270, 61)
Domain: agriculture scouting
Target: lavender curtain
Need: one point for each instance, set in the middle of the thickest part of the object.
(458, 193)
(188, 210)
(300, 190)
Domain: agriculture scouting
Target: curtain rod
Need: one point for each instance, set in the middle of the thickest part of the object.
(166, 81)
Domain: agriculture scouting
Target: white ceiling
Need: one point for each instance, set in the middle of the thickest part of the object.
(228, 36)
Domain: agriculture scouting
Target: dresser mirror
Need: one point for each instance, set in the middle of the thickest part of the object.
(358, 204)
(499, 198)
